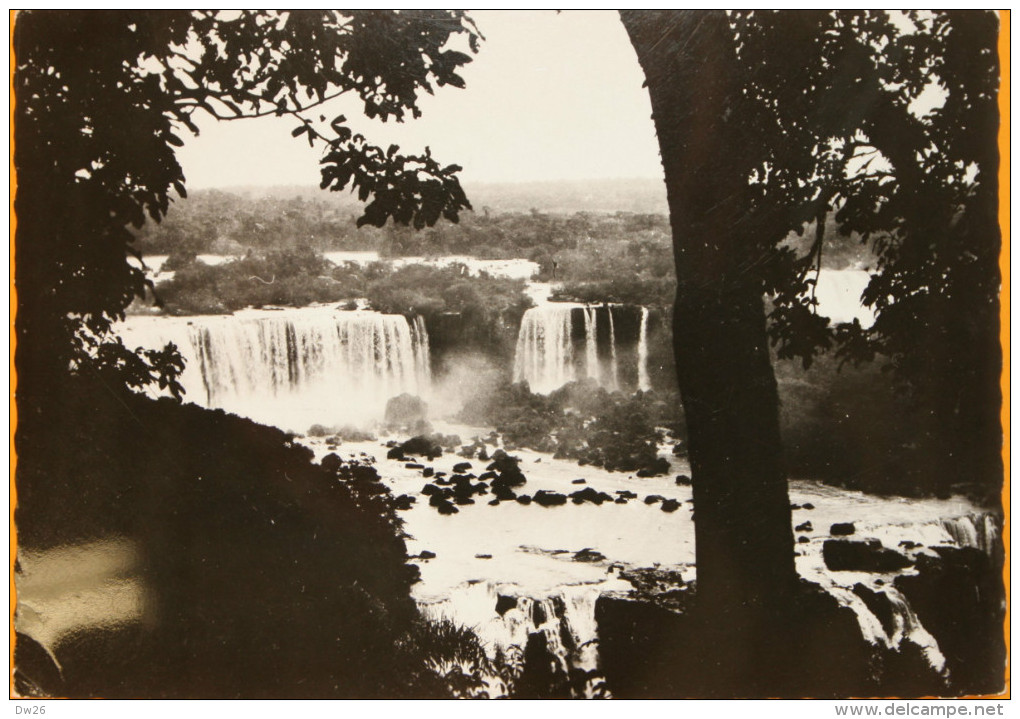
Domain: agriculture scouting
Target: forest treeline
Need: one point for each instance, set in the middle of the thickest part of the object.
(598, 257)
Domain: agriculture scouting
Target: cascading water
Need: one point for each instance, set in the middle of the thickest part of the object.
(422, 358)
(644, 384)
(546, 357)
(503, 620)
(980, 531)
(294, 368)
(591, 347)
(545, 352)
(975, 530)
(614, 372)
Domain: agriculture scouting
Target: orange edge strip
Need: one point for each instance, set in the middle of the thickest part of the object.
(1004, 333)
(13, 340)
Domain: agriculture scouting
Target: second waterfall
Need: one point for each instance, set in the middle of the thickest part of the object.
(560, 342)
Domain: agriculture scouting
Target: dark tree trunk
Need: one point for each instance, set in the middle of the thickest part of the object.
(744, 541)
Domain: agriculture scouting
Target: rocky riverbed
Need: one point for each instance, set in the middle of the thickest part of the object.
(529, 570)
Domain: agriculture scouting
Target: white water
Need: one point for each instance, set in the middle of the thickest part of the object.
(591, 345)
(545, 356)
(614, 373)
(838, 293)
(527, 552)
(296, 367)
(643, 382)
(545, 352)
(517, 269)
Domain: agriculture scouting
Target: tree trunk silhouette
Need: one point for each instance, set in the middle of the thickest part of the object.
(744, 541)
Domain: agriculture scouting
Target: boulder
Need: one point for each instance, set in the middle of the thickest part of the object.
(657, 467)
(866, 555)
(589, 555)
(549, 499)
(422, 445)
(879, 604)
(504, 604)
(396, 453)
(404, 501)
(588, 494)
(842, 529)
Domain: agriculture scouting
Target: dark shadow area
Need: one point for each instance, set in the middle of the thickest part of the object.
(220, 561)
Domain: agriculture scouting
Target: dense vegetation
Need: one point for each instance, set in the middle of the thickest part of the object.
(301, 276)
(597, 257)
(581, 421)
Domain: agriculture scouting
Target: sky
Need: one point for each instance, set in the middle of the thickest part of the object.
(550, 96)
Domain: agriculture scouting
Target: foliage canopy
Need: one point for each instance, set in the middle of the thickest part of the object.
(103, 98)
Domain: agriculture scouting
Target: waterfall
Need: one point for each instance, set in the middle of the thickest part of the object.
(980, 531)
(422, 359)
(905, 625)
(294, 368)
(613, 370)
(545, 356)
(545, 352)
(591, 346)
(642, 367)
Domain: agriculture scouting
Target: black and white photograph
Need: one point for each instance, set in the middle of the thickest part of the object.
(518, 354)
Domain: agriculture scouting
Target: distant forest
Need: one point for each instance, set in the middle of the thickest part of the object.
(626, 254)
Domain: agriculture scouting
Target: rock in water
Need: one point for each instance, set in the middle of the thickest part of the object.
(866, 555)
(505, 604)
(589, 555)
(549, 499)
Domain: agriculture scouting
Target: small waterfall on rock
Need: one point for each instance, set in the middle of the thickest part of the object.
(643, 382)
(884, 613)
(295, 368)
(504, 620)
(902, 623)
(980, 531)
